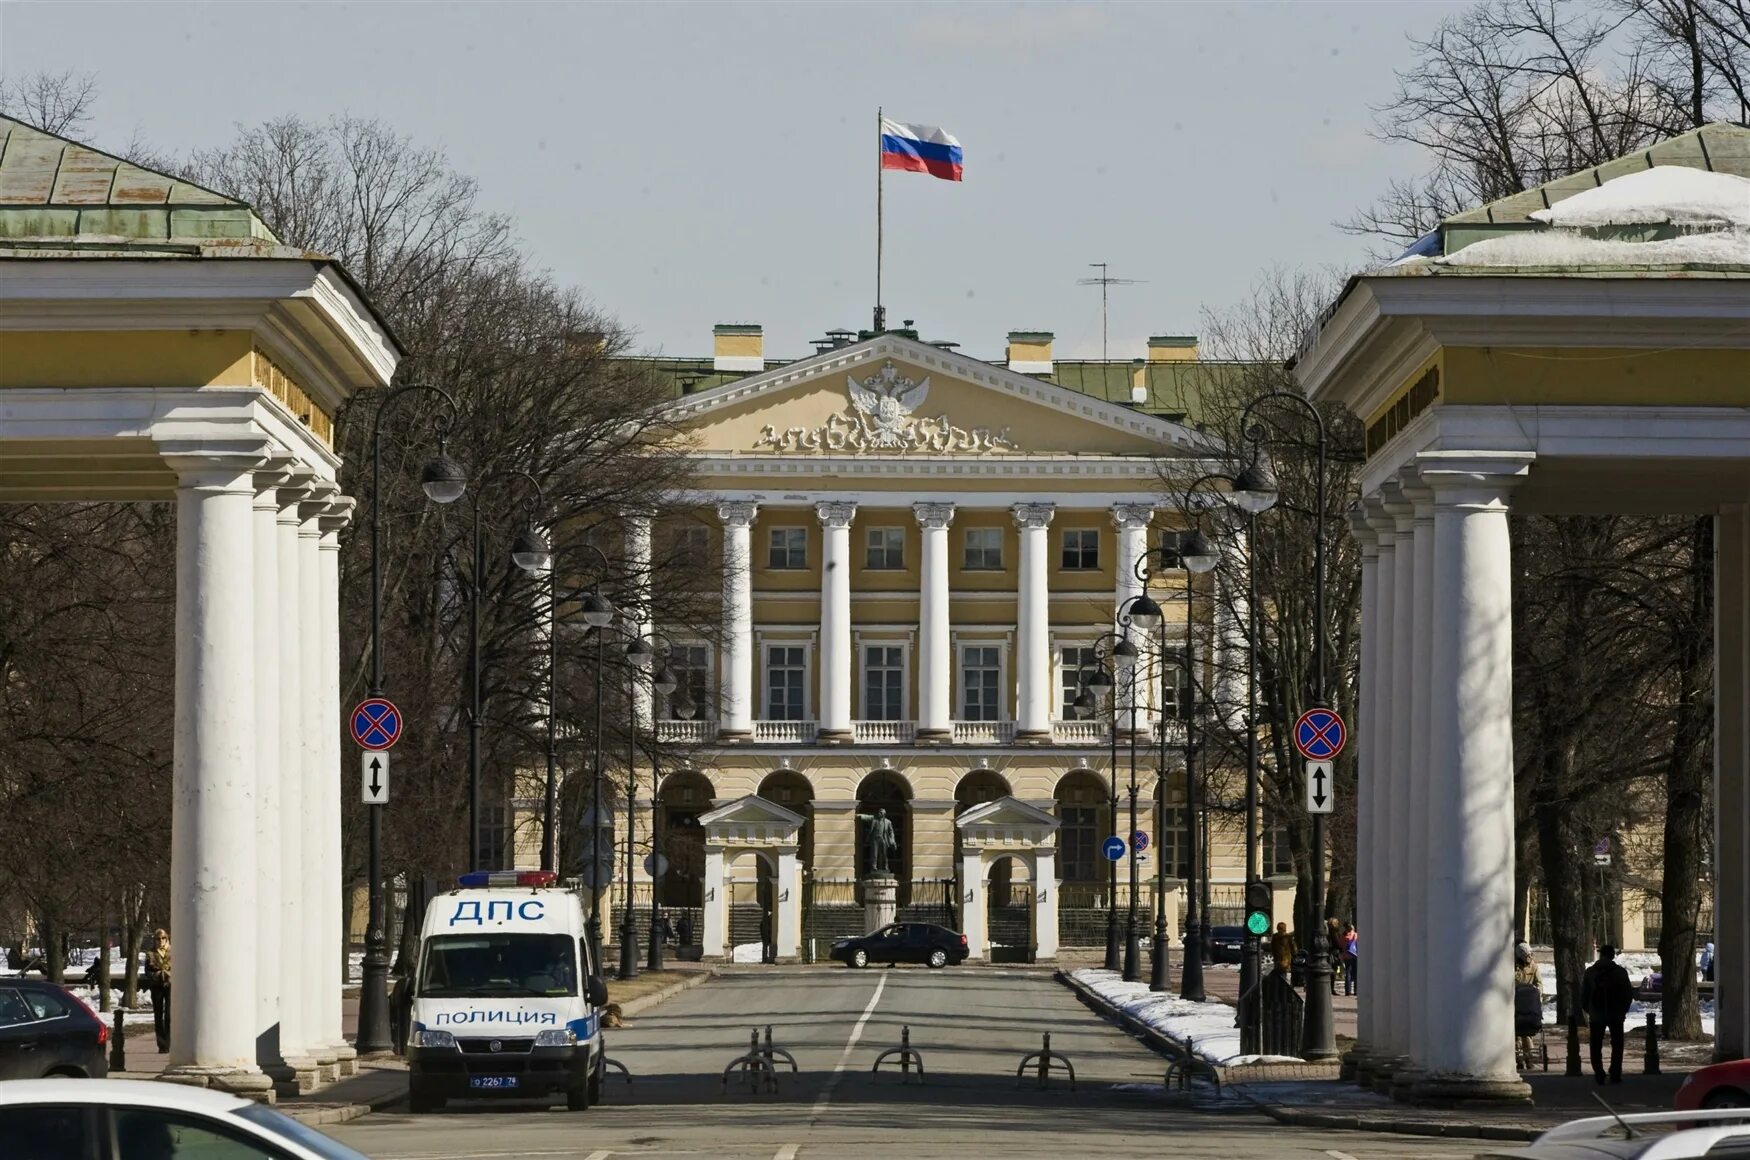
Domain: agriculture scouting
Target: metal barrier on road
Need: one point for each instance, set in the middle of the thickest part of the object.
(907, 1057)
(754, 1066)
(1047, 1059)
(1188, 1066)
(771, 1052)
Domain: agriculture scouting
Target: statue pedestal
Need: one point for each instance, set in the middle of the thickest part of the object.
(880, 901)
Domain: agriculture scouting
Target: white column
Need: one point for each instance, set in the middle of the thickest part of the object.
(835, 619)
(738, 657)
(212, 842)
(270, 624)
(716, 913)
(1468, 988)
(638, 575)
(312, 947)
(1033, 638)
(1407, 999)
(935, 669)
(789, 917)
(1232, 613)
(328, 781)
(972, 917)
(295, 1033)
(1368, 1044)
(1732, 781)
(1419, 763)
(1131, 520)
(1045, 887)
(1384, 980)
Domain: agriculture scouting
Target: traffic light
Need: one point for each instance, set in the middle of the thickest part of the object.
(1258, 896)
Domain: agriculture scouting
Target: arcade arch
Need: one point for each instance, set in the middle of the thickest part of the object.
(684, 798)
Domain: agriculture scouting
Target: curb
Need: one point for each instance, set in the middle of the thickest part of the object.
(645, 1002)
(1163, 1045)
(1365, 1122)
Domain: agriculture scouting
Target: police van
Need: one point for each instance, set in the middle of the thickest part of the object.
(507, 997)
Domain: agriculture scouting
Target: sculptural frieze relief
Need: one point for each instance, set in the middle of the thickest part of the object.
(881, 418)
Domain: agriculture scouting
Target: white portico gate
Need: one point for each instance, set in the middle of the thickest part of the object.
(1008, 828)
(753, 825)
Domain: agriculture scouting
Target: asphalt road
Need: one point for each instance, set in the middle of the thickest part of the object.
(971, 1026)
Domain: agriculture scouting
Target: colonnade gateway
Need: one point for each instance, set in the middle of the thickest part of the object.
(1581, 348)
(922, 552)
(157, 343)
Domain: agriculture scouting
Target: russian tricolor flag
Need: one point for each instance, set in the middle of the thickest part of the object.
(920, 148)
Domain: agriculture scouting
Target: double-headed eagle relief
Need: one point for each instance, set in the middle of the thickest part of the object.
(880, 418)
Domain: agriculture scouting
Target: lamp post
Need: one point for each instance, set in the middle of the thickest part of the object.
(1318, 1040)
(1094, 686)
(598, 613)
(1198, 556)
(443, 481)
(530, 553)
(1123, 657)
(663, 681)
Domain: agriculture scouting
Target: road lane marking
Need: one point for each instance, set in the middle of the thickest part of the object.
(598, 1156)
(832, 1081)
(787, 1152)
(1336, 1155)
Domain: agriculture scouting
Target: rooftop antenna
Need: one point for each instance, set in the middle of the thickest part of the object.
(1103, 281)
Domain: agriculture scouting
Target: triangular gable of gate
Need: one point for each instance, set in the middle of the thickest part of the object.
(1008, 813)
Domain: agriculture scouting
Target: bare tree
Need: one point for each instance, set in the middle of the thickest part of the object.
(58, 103)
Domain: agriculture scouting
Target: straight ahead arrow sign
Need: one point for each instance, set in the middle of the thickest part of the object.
(374, 778)
(1321, 787)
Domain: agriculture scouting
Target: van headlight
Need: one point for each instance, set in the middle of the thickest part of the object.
(561, 1037)
(424, 1038)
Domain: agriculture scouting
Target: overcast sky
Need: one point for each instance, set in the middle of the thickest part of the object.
(692, 163)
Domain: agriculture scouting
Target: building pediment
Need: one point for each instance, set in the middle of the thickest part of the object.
(751, 820)
(1006, 823)
(893, 397)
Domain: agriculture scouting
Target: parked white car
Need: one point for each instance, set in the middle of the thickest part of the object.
(1640, 1136)
(125, 1119)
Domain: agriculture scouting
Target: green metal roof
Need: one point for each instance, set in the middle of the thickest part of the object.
(55, 190)
(1721, 147)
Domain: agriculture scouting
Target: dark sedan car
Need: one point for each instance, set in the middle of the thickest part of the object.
(903, 942)
(45, 1030)
(1226, 943)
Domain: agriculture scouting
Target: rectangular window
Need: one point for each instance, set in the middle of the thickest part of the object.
(789, 549)
(1081, 549)
(883, 683)
(1078, 843)
(981, 683)
(691, 547)
(1173, 687)
(1175, 846)
(1079, 661)
(886, 549)
(786, 683)
(1278, 855)
(494, 836)
(691, 665)
(984, 550)
(1169, 557)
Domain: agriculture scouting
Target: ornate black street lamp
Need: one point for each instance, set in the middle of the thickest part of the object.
(443, 481)
(1259, 493)
(529, 552)
(598, 613)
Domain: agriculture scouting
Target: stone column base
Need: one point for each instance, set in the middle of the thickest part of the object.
(835, 736)
(933, 735)
(1355, 1064)
(245, 1082)
(1400, 1083)
(1468, 1091)
(735, 735)
(1033, 736)
(293, 1077)
(346, 1060)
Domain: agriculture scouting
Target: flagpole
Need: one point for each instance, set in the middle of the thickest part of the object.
(880, 191)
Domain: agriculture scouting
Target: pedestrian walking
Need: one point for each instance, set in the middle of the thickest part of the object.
(1282, 948)
(1707, 963)
(1334, 948)
(1527, 1006)
(1606, 995)
(1351, 945)
(158, 986)
(768, 942)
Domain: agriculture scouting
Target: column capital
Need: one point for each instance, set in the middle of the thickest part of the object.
(1472, 479)
(1363, 530)
(738, 513)
(1132, 516)
(1033, 515)
(270, 477)
(933, 515)
(224, 466)
(1385, 527)
(1398, 507)
(337, 514)
(834, 513)
(317, 496)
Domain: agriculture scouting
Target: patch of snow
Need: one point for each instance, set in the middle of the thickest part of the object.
(1664, 195)
(1209, 1026)
(748, 953)
(1565, 248)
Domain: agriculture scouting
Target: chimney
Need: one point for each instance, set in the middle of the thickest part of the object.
(1030, 351)
(1172, 348)
(738, 346)
(1138, 383)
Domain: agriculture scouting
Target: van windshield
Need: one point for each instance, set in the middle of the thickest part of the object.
(457, 966)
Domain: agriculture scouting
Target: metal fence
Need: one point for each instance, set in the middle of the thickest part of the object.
(1653, 918)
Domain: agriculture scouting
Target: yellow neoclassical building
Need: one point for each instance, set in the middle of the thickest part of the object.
(922, 558)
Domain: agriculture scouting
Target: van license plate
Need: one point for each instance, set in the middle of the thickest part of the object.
(492, 1081)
